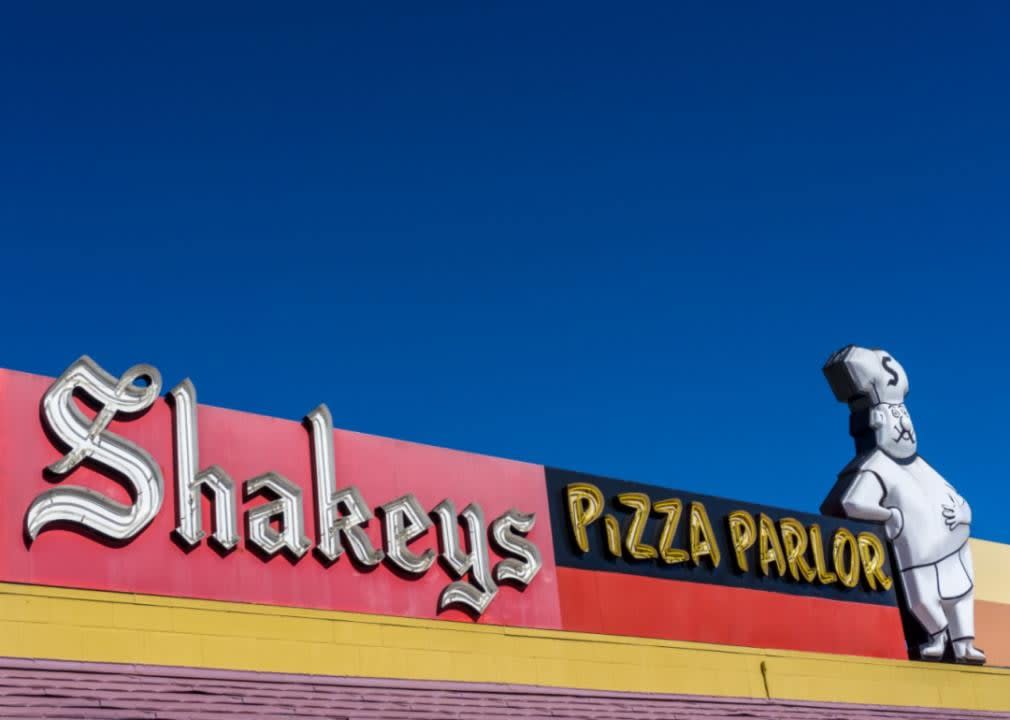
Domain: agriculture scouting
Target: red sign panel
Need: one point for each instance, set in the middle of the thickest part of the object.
(248, 445)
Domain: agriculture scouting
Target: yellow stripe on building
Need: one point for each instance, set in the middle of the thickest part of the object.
(58, 623)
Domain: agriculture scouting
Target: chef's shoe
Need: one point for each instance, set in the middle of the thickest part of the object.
(933, 650)
(966, 652)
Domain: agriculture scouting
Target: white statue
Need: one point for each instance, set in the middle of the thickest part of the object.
(925, 519)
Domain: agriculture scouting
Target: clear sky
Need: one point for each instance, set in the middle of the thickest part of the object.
(617, 238)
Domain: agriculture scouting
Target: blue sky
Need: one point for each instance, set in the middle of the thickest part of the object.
(619, 238)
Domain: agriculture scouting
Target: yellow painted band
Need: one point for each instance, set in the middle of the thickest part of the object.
(992, 571)
(56, 623)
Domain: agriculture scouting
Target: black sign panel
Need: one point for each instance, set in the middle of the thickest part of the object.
(728, 572)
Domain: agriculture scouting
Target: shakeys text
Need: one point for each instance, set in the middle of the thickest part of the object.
(275, 526)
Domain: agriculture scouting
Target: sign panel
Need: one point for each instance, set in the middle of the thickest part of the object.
(644, 560)
(672, 534)
(111, 484)
(246, 446)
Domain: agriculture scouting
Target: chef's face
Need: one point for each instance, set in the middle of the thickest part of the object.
(893, 427)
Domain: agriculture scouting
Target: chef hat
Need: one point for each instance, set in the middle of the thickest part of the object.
(863, 377)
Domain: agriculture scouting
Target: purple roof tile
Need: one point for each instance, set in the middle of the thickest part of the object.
(55, 690)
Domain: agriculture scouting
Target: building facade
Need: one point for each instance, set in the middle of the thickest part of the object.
(169, 559)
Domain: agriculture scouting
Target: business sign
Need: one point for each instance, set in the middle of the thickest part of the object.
(113, 487)
(110, 484)
(643, 560)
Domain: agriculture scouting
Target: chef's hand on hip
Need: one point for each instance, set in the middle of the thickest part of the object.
(955, 514)
(894, 524)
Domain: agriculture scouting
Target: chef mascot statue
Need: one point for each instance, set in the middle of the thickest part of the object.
(925, 519)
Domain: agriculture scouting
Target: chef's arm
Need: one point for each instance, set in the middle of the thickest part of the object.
(862, 500)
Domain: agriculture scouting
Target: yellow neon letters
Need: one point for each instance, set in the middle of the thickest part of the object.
(585, 503)
(672, 508)
(640, 503)
(872, 553)
(848, 574)
(743, 534)
(769, 546)
(785, 547)
(824, 576)
(794, 538)
(702, 537)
